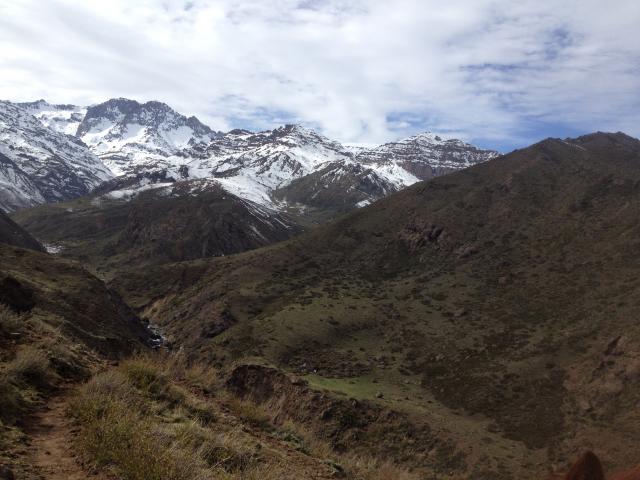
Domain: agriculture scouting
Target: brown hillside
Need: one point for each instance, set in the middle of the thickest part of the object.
(498, 304)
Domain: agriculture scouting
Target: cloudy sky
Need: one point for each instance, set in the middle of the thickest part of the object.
(500, 73)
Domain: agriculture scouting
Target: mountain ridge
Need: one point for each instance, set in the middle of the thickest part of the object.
(151, 140)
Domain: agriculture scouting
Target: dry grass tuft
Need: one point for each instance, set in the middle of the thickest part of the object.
(251, 413)
(10, 322)
(30, 367)
(139, 421)
(136, 420)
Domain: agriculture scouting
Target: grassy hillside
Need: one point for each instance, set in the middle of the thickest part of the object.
(58, 323)
(76, 401)
(495, 305)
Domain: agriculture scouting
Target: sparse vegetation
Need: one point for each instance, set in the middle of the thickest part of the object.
(446, 302)
(138, 420)
(249, 412)
(130, 421)
(30, 368)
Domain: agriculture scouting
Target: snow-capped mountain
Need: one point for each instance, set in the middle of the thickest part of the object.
(149, 145)
(425, 155)
(337, 187)
(254, 165)
(129, 136)
(293, 164)
(39, 164)
(61, 118)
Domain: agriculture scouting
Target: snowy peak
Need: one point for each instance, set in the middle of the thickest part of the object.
(426, 155)
(129, 135)
(295, 164)
(254, 165)
(155, 117)
(39, 164)
(63, 118)
(147, 144)
(296, 136)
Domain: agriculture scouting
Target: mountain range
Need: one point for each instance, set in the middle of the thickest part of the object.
(423, 307)
(60, 152)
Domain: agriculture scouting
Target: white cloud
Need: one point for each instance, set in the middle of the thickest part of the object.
(360, 71)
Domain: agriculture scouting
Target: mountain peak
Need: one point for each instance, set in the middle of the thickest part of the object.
(40, 164)
(426, 155)
(129, 135)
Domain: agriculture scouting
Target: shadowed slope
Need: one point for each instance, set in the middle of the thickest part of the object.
(12, 234)
(182, 221)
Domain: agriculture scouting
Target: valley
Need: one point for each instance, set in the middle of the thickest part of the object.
(495, 303)
(319, 240)
(421, 309)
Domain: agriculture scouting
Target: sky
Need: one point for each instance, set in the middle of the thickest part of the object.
(498, 73)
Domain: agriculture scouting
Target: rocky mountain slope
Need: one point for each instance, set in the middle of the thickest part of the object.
(263, 167)
(38, 164)
(445, 155)
(63, 118)
(496, 305)
(276, 180)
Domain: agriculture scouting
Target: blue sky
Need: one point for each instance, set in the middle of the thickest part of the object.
(498, 73)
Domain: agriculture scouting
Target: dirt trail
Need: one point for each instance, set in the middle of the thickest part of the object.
(51, 448)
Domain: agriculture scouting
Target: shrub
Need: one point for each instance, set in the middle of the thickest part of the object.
(367, 468)
(148, 378)
(224, 451)
(30, 368)
(116, 432)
